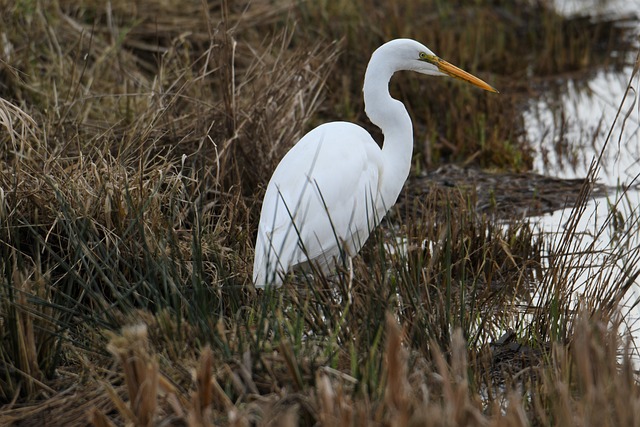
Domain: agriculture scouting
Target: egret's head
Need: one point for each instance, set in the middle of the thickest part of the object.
(410, 55)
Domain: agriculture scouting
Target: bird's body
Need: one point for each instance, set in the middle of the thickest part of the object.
(325, 220)
(336, 184)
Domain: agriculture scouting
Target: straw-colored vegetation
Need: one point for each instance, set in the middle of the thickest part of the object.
(136, 142)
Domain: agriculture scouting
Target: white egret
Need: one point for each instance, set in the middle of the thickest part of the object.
(336, 184)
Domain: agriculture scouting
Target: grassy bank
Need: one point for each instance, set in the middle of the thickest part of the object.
(137, 140)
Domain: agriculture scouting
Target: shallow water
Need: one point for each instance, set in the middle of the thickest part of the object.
(571, 128)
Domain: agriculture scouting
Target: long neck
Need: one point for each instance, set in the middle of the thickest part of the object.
(392, 118)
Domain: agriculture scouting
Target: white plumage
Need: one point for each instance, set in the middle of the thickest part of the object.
(335, 185)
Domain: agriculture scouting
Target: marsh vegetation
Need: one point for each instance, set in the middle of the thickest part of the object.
(137, 139)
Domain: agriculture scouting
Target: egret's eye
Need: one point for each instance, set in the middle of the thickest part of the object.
(424, 55)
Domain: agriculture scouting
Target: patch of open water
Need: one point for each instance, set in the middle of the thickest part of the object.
(571, 128)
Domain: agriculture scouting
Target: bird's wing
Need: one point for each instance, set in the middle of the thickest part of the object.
(328, 184)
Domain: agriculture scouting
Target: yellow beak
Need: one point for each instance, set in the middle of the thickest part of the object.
(453, 71)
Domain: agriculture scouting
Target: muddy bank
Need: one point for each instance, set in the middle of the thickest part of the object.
(501, 194)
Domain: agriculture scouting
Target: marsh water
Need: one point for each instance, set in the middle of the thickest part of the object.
(586, 121)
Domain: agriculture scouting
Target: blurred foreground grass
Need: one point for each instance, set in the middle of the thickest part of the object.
(137, 139)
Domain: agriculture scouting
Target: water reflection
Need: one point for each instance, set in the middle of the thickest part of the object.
(571, 129)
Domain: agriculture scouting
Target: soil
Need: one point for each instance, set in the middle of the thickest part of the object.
(502, 194)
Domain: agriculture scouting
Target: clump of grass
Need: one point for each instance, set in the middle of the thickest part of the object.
(105, 203)
(417, 388)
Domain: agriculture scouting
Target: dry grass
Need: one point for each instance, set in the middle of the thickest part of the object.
(136, 143)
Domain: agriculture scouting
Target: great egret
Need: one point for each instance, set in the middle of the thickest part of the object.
(335, 185)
